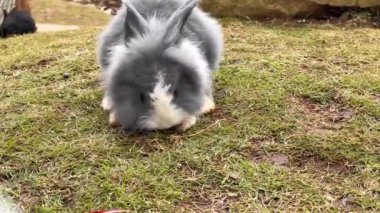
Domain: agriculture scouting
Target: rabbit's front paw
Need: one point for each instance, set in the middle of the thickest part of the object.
(112, 120)
(208, 106)
(106, 104)
(186, 124)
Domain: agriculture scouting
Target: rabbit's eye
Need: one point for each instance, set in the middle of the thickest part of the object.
(175, 93)
(142, 97)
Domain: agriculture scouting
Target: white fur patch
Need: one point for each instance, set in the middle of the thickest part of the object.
(187, 124)
(106, 103)
(208, 105)
(113, 120)
(7, 206)
(165, 114)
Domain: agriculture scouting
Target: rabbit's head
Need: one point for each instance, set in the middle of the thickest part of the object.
(157, 77)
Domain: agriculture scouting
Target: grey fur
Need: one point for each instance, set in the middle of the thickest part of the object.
(134, 75)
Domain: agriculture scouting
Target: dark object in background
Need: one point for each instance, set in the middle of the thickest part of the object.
(17, 22)
(66, 75)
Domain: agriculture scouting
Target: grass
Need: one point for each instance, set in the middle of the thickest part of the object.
(66, 13)
(296, 129)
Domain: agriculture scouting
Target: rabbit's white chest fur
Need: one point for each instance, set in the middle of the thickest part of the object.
(165, 114)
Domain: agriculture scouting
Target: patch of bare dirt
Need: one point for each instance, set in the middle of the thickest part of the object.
(29, 196)
(32, 67)
(43, 62)
(111, 6)
(62, 109)
(258, 154)
(277, 159)
(259, 142)
(317, 164)
(333, 113)
(214, 202)
(348, 204)
(319, 118)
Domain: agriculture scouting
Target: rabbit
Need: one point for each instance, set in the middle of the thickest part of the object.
(158, 58)
(17, 22)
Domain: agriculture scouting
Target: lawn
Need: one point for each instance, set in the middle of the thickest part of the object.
(297, 127)
(66, 13)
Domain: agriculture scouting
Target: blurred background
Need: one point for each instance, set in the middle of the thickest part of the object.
(356, 12)
(83, 12)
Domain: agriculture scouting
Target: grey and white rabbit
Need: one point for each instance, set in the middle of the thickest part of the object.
(158, 58)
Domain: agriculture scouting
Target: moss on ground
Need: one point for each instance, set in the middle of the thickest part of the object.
(296, 128)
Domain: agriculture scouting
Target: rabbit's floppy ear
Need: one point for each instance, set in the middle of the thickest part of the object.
(134, 24)
(178, 20)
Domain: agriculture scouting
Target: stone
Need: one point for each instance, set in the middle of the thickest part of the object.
(368, 3)
(349, 3)
(66, 75)
(261, 8)
(258, 8)
(336, 3)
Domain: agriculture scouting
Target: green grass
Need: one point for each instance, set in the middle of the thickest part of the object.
(306, 94)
